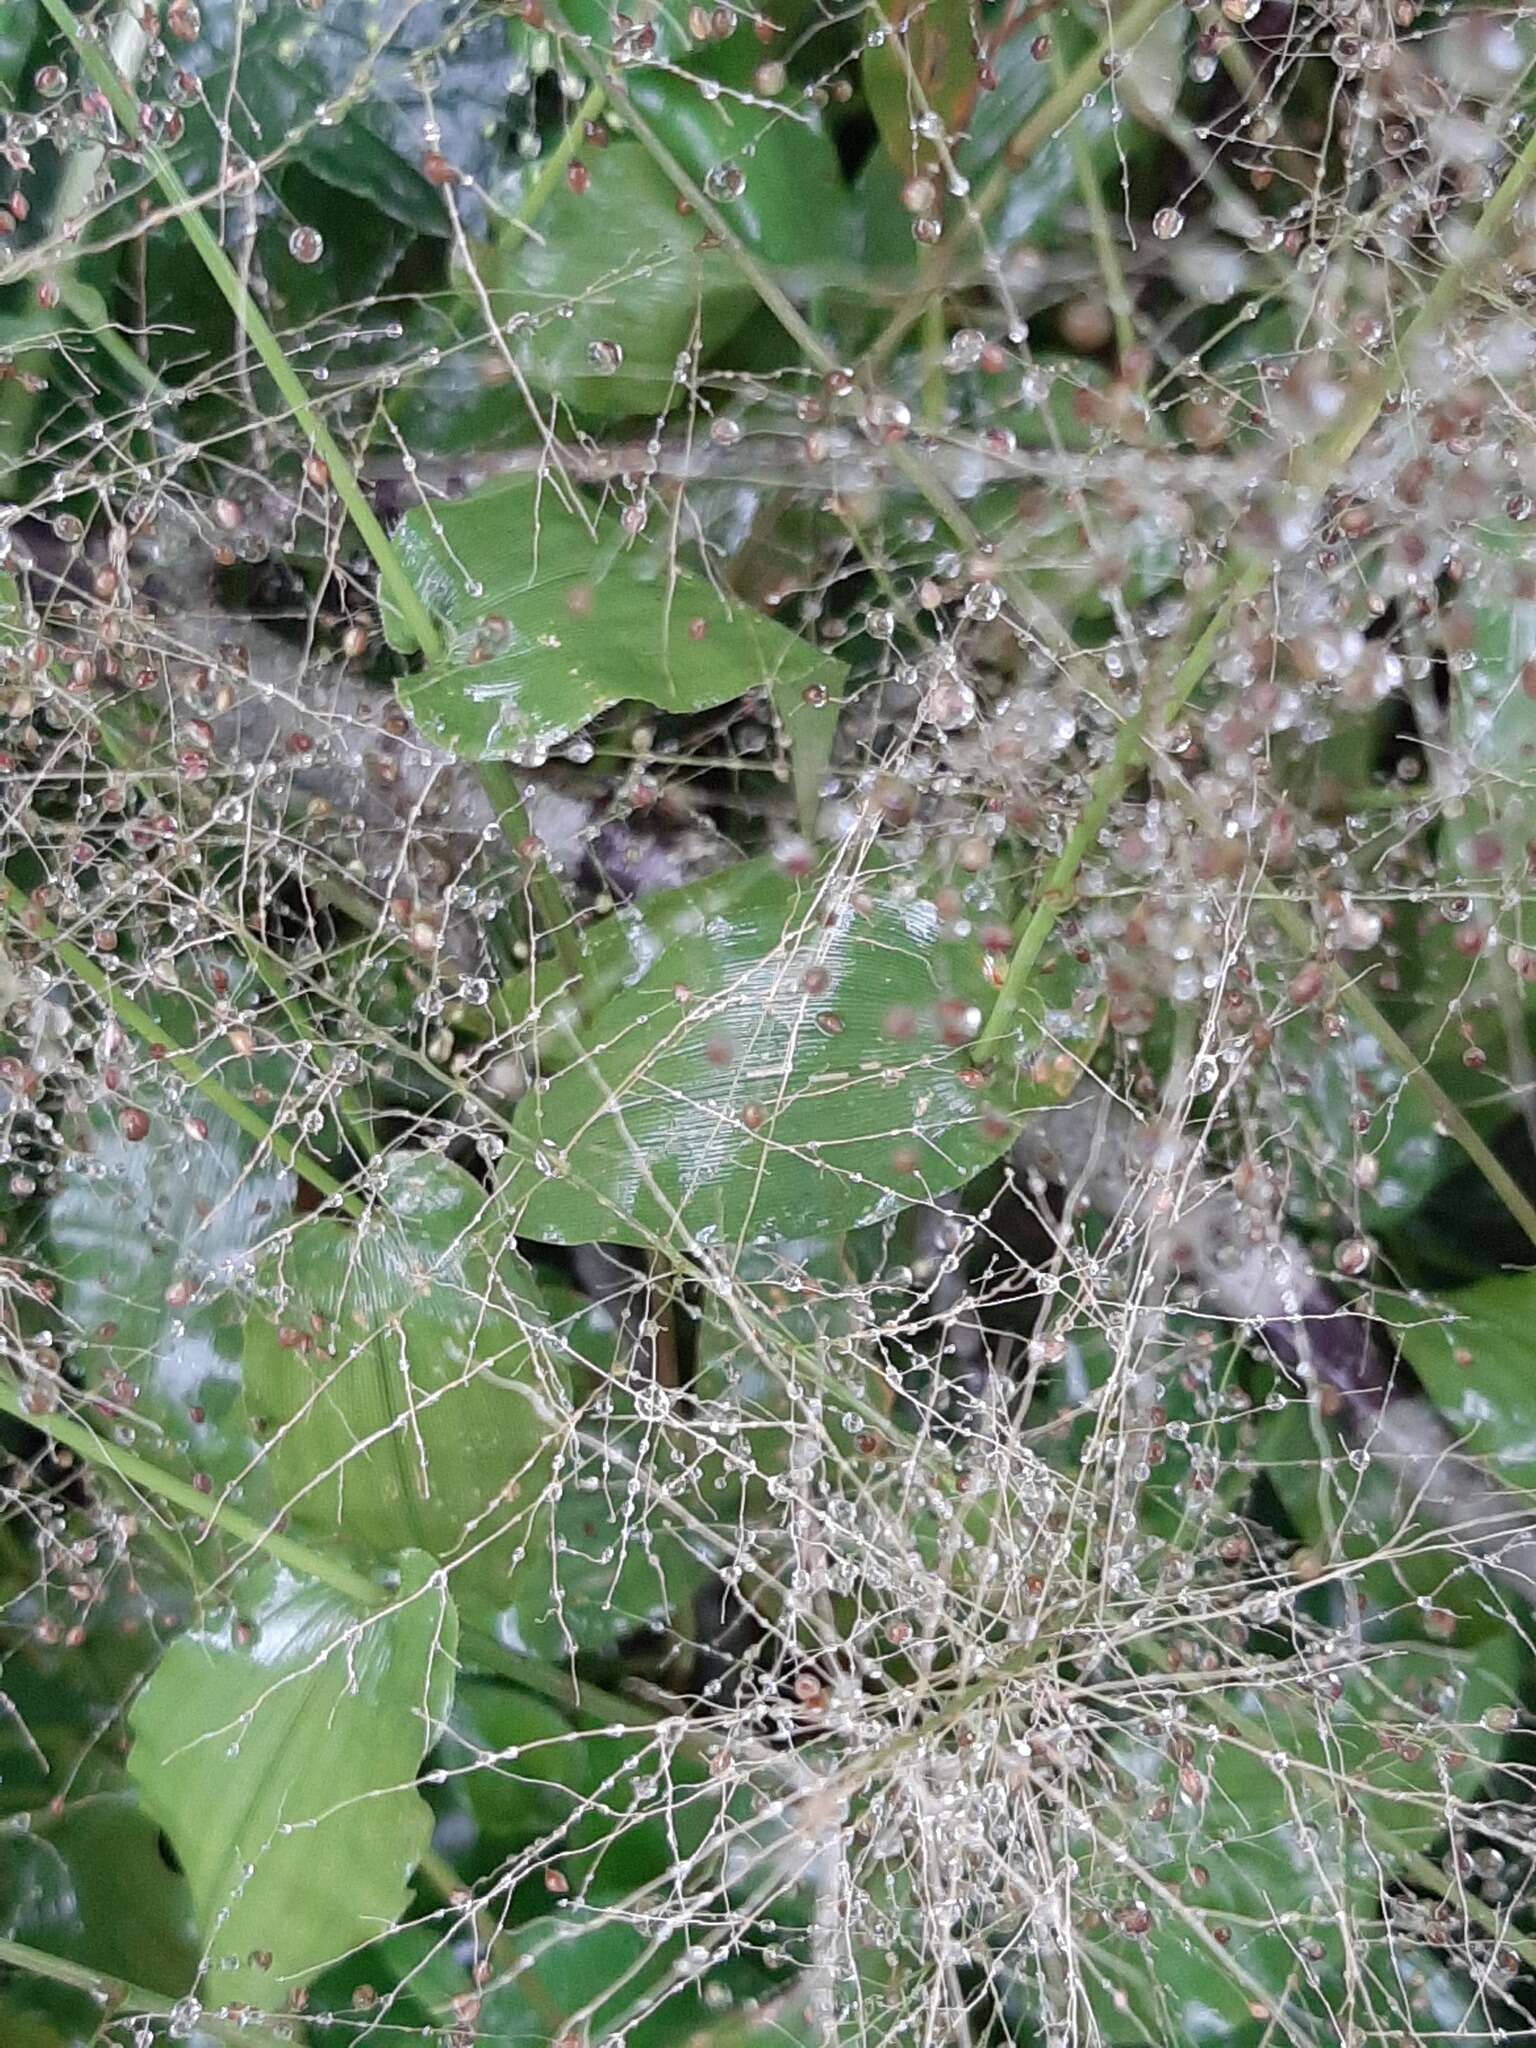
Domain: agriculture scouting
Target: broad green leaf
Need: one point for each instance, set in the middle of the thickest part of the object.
(753, 1405)
(515, 1772)
(617, 1546)
(440, 79)
(407, 1379)
(622, 1547)
(1296, 1811)
(791, 1069)
(1038, 190)
(1360, 1519)
(553, 615)
(153, 1240)
(614, 1974)
(614, 289)
(272, 75)
(406, 1981)
(92, 1886)
(37, 2014)
(1188, 1463)
(278, 1749)
(771, 170)
(1472, 1351)
(670, 41)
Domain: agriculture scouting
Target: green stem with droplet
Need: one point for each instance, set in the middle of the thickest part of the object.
(149, 1030)
(1316, 468)
(393, 580)
(142, 1476)
(118, 1998)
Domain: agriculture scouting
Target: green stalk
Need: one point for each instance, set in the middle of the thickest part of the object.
(1053, 112)
(552, 169)
(1111, 271)
(116, 1997)
(1357, 1000)
(393, 580)
(144, 1476)
(499, 781)
(1317, 466)
(125, 106)
(149, 1030)
(1108, 785)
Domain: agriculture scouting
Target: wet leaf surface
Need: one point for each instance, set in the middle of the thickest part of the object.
(1471, 1350)
(553, 614)
(1269, 1816)
(618, 333)
(406, 1380)
(303, 1841)
(790, 1069)
(155, 1240)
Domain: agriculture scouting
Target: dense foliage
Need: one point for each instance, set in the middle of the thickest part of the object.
(766, 1022)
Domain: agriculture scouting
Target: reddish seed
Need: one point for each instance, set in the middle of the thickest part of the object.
(577, 178)
(134, 1125)
(1307, 983)
(438, 171)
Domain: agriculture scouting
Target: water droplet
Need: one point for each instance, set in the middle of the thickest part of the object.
(306, 245)
(606, 357)
(725, 182)
(1167, 222)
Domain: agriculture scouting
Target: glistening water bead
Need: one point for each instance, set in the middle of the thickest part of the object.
(306, 245)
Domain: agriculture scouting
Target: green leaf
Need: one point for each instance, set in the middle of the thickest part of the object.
(18, 26)
(408, 1379)
(553, 615)
(1295, 1811)
(1472, 1353)
(751, 1405)
(516, 1771)
(411, 1978)
(614, 288)
(1359, 1517)
(93, 1887)
(789, 1069)
(618, 1552)
(1038, 190)
(608, 1970)
(270, 76)
(278, 1749)
(151, 1240)
(785, 201)
(671, 43)
(1195, 1472)
(37, 2014)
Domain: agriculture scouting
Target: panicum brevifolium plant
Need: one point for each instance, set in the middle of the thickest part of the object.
(767, 1023)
